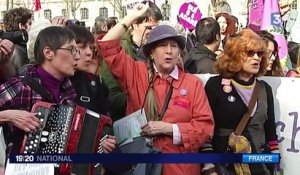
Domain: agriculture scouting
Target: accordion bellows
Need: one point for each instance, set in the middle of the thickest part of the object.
(66, 129)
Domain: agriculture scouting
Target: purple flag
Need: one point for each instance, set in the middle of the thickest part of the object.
(272, 22)
(256, 8)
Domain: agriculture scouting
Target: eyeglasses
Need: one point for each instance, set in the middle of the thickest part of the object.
(251, 53)
(151, 26)
(73, 50)
(148, 27)
(272, 57)
(271, 52)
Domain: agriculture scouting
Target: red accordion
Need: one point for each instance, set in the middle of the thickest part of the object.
(66, 129)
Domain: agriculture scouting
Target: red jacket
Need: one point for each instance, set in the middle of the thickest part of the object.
(188, 107)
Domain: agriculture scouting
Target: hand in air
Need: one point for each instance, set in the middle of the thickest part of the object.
(6, 50)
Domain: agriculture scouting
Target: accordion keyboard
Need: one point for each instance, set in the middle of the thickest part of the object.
(34, 137)
(53, 135)
(56, 130)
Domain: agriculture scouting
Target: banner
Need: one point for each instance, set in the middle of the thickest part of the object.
(272, 22)
(129, 4)
(189, 15)
(287, 108)
(256, 8)
(145, 158)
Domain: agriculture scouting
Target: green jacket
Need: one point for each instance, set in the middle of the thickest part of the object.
(117, 96)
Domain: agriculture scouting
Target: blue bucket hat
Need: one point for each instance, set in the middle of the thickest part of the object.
(160, 33)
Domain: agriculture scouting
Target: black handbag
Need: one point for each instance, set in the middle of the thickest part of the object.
(139, 145)
(223, 169)
(220, 169)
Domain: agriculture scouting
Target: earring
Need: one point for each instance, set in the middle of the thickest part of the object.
(151, 57)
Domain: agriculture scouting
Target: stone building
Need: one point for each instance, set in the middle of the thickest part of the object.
(88, 10)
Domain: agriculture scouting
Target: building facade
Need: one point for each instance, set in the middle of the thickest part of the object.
(82, 10)
(88, 10)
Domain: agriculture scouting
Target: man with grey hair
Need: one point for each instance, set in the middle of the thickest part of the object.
(100, 26)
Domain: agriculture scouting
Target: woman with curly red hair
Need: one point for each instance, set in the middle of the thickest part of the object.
(227, 26)
(243, 60)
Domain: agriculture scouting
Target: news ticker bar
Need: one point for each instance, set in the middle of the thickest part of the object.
(145, 158)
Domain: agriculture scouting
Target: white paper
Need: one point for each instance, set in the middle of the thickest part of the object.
(29, 169)
(2, 149)
(129, 127)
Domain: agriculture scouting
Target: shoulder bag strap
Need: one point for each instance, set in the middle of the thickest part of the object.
(239, 129)
(166, 103)
(37, 87)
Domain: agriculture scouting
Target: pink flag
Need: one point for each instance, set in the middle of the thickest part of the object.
(272, 22)
(256, 8)
(37, 5)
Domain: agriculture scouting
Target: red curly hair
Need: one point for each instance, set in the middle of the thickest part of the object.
(230, 23)
(231, 61)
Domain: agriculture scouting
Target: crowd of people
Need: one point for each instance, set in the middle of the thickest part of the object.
(138, 63)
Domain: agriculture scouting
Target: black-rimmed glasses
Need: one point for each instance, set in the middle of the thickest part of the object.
(73, 50)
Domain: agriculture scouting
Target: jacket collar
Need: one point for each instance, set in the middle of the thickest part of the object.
(181, 76)
(68, 89)
(178, 74)
(202, 49)
(173, 74)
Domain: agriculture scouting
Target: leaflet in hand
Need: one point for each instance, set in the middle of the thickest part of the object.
(129, 127)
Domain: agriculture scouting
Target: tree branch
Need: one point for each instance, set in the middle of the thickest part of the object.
(78, 5)
(117, 5)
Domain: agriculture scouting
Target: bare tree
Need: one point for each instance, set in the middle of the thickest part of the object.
(117, 5)
(7, 5)
(213, 2)
(72, 6)
(10, 4)
(27, 4)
